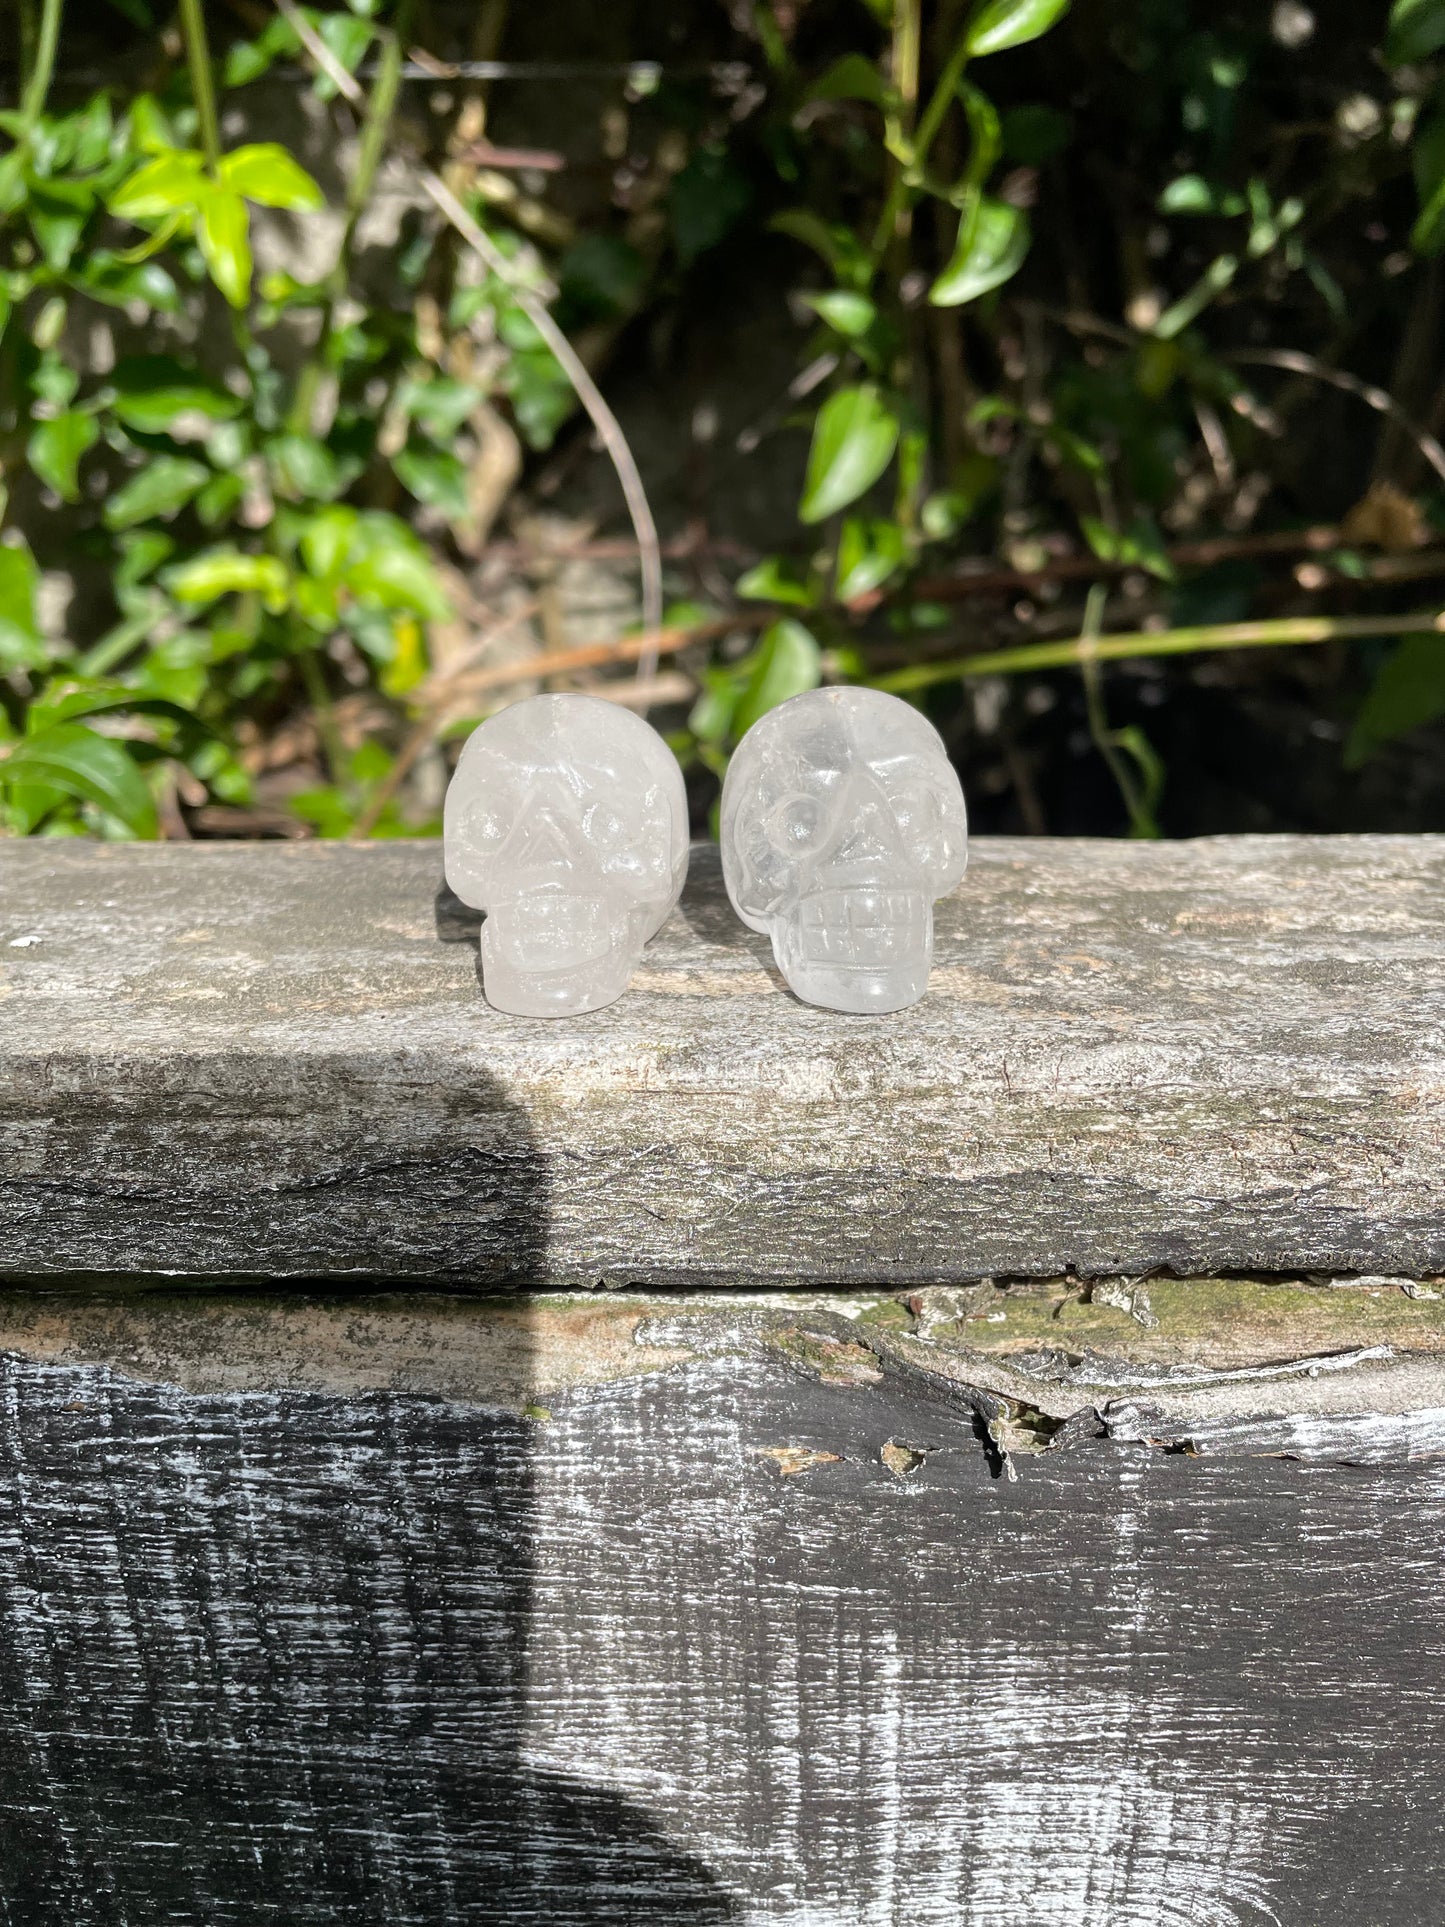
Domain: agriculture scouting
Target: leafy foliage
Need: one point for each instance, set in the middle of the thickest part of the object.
(263, 490)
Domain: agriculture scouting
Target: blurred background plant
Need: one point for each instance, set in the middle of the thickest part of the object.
(1075, 371)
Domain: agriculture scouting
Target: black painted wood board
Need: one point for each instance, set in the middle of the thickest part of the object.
(302, 1658)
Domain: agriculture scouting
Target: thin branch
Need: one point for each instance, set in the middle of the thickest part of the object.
(608, 428)
(647, 646)
(1089, 568)
(203, 85)
(1164, 642)
(378, 110)
(1295, 363)
(37, 83)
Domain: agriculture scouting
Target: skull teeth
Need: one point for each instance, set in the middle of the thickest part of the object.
(862, 927)
(552, 930)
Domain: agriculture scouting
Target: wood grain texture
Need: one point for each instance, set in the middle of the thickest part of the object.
(300, 1658)
(276, 1062)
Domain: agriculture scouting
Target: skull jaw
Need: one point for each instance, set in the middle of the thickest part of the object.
(864, 951)
(556, 956)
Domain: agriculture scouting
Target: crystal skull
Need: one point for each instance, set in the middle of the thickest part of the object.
(566, 822)
(842, 820)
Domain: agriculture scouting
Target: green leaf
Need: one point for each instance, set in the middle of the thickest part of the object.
(137, 12)
(13, 189)
(249, 59)
(985, 133)
(303, 469)
(58, 212)
(993, 238)
(221, 496)
(786, 661)
(218, 572)
(869, 551)
(436, 478)
(851, 78)
(21, 644)
(55, 382)
(149, 126)
(1140, 545)
(152, 390)
(1416, 30)
(165, 484)
(943, 514)
(106, 277)
(55, 449)
(326, 539)
(325, 809)
(1188, 194)
(1408, 690)
(541, 396)
(265, 172)
(1428, 160)
(706, 201)
(173, 183)
(441, 406)
(141, 554)
(82, 763)
(775, 581)
(854, 437)
(838, 245)
(1000, 24)
(347, 38)
(225, 238)
(388, 567)
(601, 275)
(850, 314)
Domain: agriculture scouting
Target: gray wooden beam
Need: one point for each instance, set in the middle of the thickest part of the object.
(230, 1060)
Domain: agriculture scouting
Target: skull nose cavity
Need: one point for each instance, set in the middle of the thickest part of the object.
(540, 844)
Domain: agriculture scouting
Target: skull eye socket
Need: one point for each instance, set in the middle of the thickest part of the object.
(797, 825)
(602, 827)
(916, 812)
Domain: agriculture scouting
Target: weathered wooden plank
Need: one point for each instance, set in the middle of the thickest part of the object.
(276, 1061)
(305, 1656)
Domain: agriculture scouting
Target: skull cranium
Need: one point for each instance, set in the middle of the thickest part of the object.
(566, 822)
(842, 820)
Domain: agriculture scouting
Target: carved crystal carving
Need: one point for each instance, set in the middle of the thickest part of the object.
(566, 822)
(842, 821)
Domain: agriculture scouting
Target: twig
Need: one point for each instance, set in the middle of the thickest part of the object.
(542, 160)
(648, 645)
(608, 427)
(1114, 745)
(377, 110)
(203, 86)
(37, 81)
(1295, 363)
(1162, 642)
(1088, 568)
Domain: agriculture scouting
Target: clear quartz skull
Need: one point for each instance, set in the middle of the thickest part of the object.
(842, 821)
(566, 822)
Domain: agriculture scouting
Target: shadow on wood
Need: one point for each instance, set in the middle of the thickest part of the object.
(263, 1658)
